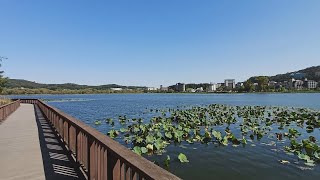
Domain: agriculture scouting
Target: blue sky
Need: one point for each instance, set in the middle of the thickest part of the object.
(155, 42)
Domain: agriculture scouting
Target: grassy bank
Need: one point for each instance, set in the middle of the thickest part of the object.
(4, 101)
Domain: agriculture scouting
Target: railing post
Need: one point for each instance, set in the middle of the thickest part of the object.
(90, 148)
(123, 171)
(65, 132)
(128, 173)
(1, 114)
(105, 164)
(117, 170)
(69, 129)
(98, 162)
(77, 142)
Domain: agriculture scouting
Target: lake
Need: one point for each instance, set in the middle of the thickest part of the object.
(206, 161)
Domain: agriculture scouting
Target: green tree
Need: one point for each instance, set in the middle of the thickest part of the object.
(282, 89)
(262, 83)
(240, 89)
(248, 86)
(3, 80)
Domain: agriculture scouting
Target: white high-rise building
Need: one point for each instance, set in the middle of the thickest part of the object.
(212, 87)
(230, 83)
(311, 84)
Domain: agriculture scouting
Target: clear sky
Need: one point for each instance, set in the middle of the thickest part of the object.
(153, 42)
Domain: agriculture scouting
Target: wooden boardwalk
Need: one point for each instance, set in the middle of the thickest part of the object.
(31, 149)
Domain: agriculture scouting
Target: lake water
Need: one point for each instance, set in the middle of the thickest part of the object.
(206, 161)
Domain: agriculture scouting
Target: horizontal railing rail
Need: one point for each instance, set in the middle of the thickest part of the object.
(100, 156)
(7, 109)
(29, 101)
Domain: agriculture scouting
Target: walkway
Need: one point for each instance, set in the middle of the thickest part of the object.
(30, 149)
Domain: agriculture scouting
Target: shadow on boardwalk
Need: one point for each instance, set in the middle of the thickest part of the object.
(57, 161)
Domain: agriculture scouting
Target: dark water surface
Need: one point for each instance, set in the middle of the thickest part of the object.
(206, 161)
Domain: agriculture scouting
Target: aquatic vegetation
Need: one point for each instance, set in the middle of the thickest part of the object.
(123, 119)
(223, 125)
(110, 121)
(183, 158)
(97, 122)
(167, 161)
(113, 133)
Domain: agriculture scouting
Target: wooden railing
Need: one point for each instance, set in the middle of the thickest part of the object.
(100, 156)
(7, 109)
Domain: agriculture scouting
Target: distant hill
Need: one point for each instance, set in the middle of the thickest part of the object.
(310, 73)
(19, 83)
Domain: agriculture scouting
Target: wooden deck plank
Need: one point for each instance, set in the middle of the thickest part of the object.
(20, 153)
(31, 149)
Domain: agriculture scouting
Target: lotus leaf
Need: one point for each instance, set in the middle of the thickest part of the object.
(183, 158)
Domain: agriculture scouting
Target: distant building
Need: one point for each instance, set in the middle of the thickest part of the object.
(298, 84)
(317, 73)
(180, 87)
(230, 83)
(200, 89)
(272, 83)
(286, 84)
(212, 87)
(310, 84)
(298, 75)
(290, 84)
(152, 88)
(219, 85)
(116, 89)
(239, 84)
(163, 88)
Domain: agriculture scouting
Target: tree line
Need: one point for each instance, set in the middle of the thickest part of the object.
(12, 91)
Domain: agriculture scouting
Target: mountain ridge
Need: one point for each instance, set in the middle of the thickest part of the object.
(311, 73)
(21, 83)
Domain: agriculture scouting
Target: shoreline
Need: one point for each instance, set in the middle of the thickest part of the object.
(198, 93)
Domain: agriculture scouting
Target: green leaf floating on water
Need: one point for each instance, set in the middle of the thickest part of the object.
(113, 133)
(310, 164)
(183, 158)
(244, 140)
(150, 147)
(217, 135)
(123, 130)
(309, 161)
(137, 150)
(168, 135)
(316, 155)
(110, 121)
(149, 139)
(159, 134)
(136, 129)
(139, 140)
(97, 122)
(225, 141)
(144, 150)
(167, 161)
